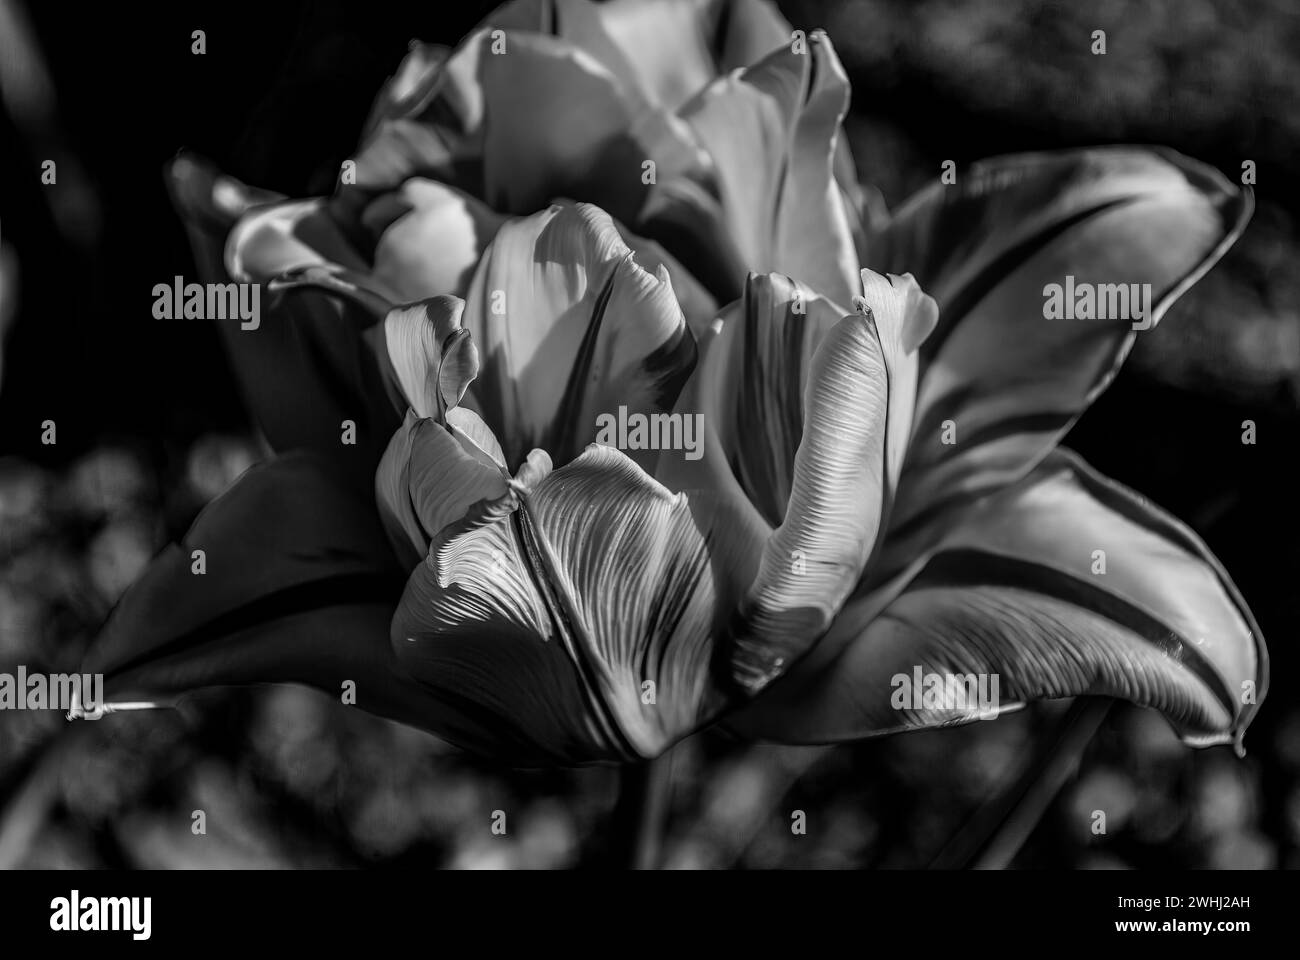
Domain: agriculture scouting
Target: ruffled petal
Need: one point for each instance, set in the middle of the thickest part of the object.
(577, 611)
(433, 356)
(815, 557)
(806, 415)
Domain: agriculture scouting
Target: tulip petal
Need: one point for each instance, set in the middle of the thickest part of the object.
(506, 94)
(1016, 591)
(428, 478)
(427, 238)
(686, 216)
(771, 131)
(666, 44)
(579, 610)
(905, 318)
(571, 327)
(814, 238)
(579, 23)
(750, 29)
(751, 389)
(210, 203)
(302, 363)
(433, 356)
(314, 375)
(408, 90)
(293, 236)
(998, 378)
(815, 557)
(803, 406)
(698, 305)
(298, 585)
(673, 48)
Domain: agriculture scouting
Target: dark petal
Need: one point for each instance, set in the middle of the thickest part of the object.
(1007, 379)
(209, 204)
(299, 585)
(314, 362)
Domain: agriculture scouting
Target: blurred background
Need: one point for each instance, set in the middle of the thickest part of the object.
(150, 428)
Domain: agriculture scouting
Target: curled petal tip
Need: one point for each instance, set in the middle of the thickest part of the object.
(535, 468)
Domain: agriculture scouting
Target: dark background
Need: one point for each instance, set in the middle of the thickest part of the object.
(150, 427)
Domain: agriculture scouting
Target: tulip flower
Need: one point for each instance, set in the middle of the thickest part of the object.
(710, 128)
(880, 491)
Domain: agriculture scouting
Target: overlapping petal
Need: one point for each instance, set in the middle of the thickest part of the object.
(571, 326)
(511, 93)
(871, 497)
(676, 47)
(289, 547)
(1000, 382)
(804, 404)
(1063, 584)
(305, 365)
(771, 132)
(578, 611)
(638, 122)
(443, 458)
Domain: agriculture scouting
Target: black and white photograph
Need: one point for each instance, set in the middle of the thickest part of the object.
(839, 437)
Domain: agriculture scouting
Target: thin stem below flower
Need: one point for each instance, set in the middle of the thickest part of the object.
(997, 830)
(637, 827)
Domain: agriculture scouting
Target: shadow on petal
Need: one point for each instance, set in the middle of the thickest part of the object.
(1064, 584)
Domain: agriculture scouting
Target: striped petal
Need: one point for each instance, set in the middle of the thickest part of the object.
(572, 328)
(294, 583)
(1061, 585)
(574, 613)
(749, 390)
(816, 555)
(807, 415)
(1001, 382)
